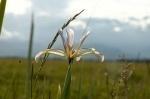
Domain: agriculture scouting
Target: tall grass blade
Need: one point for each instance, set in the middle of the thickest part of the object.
(2, 12)
(29, 68)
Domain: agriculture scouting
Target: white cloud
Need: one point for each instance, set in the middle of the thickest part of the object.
(43, 14)
(6, 35)
(117, 29)
(114, 9)
(18, 7)
(140, 23)
(78, 23)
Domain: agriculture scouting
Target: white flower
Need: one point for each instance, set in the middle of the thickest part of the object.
(69, 51)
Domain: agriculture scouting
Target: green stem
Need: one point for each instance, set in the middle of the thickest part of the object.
(67, 83)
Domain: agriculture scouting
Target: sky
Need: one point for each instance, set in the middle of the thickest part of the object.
(118, 27)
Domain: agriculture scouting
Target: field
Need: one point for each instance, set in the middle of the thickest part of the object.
(90, 80)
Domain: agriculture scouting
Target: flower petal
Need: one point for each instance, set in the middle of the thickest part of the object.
(81, 41)
(66, 47)
(82, 52)
(49, 51)
(78, 58)
(62, 37)
(83, 38)
(70, 37)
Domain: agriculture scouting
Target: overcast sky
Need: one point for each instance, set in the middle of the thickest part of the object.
(117, 26)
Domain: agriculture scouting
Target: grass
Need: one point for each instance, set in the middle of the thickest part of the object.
(30, 66)
(2, 12)
(92, 80)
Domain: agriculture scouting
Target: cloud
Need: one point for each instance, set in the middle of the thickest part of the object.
(78, 23)
(7, 35)
(112, 9)
(129, 38)
(142, 23)
(18, 7)
(116, 29)
(53, 8)
(17, 27)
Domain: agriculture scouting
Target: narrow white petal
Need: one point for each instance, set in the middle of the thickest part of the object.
(83, 38)
(70, 37)
(78, 58)
(49, 51)
(83, 52)
(99, 55)
(38, 55)
(102, 58)
(62, 37)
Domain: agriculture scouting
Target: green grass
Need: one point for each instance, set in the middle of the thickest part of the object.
(2, 12)
(91, 79)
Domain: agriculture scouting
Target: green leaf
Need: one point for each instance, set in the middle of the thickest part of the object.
(2, 11)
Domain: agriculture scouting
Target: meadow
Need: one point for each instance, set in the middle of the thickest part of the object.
(20, 79)
(90, 79)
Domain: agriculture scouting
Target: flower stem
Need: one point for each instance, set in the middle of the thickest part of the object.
(67, 83)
